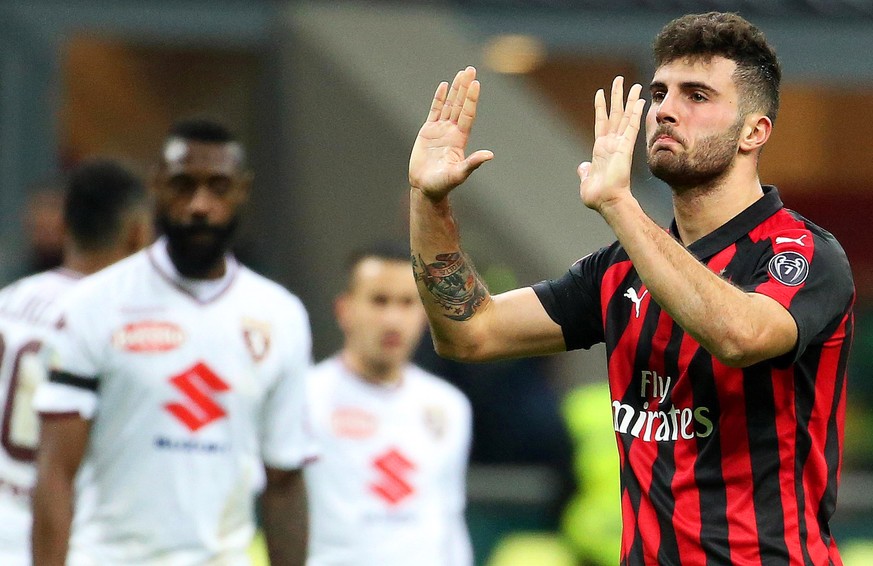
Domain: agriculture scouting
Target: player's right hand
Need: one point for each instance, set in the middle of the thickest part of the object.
(437, 163)
(606, 178)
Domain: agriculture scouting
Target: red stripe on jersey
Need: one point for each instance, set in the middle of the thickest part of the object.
(815, 471)
(836, 559)
(848, 322)
(782, 222)
(620, 368)
(645, 449)
(786, 436)
(736, 464)
(643, 455)
(721, 260)
(687, 513)
(612, 279)
(660, 339)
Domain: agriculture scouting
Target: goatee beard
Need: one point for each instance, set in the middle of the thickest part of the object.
(710, 160)
(198, 248)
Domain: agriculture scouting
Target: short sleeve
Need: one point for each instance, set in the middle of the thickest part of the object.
(72, 362)
(287, 441)
(573, 301)
(813, 282)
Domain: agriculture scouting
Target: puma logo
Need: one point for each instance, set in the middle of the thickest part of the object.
(631, 294)
(785, 240)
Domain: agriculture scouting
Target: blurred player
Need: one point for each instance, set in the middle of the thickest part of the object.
(389, 486)
(106, 217)
(177, 391)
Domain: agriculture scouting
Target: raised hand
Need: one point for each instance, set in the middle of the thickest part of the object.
(437, 163)
(607, 176)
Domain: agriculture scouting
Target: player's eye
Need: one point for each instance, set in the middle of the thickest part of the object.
(220, 185)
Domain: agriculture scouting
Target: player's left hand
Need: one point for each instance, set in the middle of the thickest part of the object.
(606, 178)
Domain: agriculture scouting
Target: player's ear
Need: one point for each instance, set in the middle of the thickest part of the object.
(244, 182)
(340, 310)
(142, 231)
(755, 133)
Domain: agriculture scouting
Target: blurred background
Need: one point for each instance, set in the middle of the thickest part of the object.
(328, 97)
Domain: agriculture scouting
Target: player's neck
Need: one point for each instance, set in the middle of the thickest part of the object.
(89, 262)
(371, 372)
(702, 210)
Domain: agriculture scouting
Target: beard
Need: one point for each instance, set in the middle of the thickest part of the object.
(197, 247)
(703, 166)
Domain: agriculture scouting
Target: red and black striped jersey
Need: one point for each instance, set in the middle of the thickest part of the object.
(723, 465)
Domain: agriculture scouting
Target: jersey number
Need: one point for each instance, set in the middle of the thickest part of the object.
(20, 427)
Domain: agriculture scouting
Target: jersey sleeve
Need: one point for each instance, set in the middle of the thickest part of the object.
(287, 441)
(73, 354)
(573, 301)
(813, 282)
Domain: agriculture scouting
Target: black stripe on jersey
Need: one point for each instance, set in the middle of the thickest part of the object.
(631, 486)
(614, 332)
(665, 465)
(763, 442)
(746, 257)
(803, 444)
(824, 507)
(707, 469)
(65, 378)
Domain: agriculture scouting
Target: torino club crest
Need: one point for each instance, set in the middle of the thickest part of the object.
(789, 268)
(257, 338)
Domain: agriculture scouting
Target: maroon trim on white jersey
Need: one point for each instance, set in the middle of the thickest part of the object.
(59, 415)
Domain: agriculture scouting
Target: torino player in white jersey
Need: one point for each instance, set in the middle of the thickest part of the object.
(28, 312)
(106, 219)
(389, 485)
(177, 392)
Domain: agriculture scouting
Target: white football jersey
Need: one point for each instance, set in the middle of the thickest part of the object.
(29, 312)
(191, 387)
(389, 485)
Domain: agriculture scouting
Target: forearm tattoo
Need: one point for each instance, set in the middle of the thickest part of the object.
(453, 283)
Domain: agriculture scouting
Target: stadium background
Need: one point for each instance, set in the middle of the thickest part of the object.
(328, 97)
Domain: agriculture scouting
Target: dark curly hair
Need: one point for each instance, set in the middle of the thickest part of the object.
(730, 36)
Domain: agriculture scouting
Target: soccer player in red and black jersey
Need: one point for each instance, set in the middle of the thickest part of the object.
(727, 335)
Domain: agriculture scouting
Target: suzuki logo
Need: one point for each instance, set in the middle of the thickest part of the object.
(631, 294)
(393, 470)
(198, 384)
